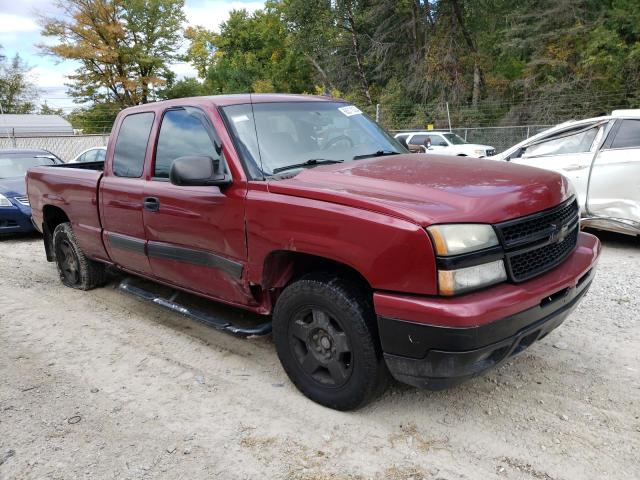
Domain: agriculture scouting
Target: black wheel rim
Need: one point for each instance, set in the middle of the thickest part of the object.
(320, 347)
(68, 262)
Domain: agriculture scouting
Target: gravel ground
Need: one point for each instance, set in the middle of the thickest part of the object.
(100, 385)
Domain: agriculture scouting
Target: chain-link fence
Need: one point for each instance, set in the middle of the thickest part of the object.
(499, 138)
(66, 147)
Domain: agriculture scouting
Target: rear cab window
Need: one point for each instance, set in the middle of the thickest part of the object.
(131, 145)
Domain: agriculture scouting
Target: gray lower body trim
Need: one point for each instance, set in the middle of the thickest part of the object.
(124, 242)
(196, 257)
(180, 254)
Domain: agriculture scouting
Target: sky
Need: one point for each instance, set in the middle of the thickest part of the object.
(20, 33)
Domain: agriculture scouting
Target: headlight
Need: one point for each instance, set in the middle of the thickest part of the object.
(480, 152)
(458, 238)
(4, 201)
(454, 282)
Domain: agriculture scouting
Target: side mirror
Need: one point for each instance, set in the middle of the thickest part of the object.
(198, 171)
(443, 144)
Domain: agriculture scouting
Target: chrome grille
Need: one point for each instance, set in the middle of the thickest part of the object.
(24, 200)
(536, 243)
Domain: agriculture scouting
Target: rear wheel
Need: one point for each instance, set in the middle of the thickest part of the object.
(325, 335)
(74, 268)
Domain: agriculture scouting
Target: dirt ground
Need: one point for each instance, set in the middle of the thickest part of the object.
(101, 385)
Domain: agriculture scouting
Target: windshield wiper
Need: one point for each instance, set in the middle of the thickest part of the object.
(379, 153)
(308, 163)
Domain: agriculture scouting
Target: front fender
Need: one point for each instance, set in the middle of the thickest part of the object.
(392, 254)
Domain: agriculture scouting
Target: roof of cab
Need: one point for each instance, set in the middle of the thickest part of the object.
(234, 99)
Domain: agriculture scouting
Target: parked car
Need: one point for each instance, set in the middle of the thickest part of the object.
(442, 143)
(601, 156)
(94, 154)
(15, 213)
(363, 258)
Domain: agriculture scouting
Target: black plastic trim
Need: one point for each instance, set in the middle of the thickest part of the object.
(126, 243)
(415, 340)
(438, 357)
(470, 259)
(196, 257)
(99, 166)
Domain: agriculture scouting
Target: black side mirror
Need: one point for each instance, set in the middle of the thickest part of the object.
(443, 144)
(198, 171)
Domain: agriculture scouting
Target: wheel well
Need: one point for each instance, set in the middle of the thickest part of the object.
(52, 216)
(283, 267)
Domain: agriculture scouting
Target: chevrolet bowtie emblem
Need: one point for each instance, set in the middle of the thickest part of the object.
(558, 233)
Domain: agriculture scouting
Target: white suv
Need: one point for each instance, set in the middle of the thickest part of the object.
(443, 143)
(601, 157)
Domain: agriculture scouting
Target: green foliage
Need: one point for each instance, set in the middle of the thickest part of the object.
(17, 92)
(186, 87)
(123, 46)
(252, 53)
(97, 118)
(47, 110)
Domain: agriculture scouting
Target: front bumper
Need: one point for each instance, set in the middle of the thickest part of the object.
(434, 347)
(16, 219)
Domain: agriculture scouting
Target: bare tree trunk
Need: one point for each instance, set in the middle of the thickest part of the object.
(320, 70)
(356, 51)
(478, 77)
(417, 30)
(477, 84)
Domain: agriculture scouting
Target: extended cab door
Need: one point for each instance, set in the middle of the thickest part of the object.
(196, 234)
(122, 196)
(614, 184)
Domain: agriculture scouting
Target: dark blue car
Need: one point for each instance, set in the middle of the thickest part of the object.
(15, 213)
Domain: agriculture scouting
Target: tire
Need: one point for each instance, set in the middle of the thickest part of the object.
(325, 332)
(74, 268)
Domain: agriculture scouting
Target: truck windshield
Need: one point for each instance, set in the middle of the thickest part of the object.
(280, 136)
(12, 166)
(454, 139)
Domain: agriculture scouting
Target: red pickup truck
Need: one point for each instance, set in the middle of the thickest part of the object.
(367, 262)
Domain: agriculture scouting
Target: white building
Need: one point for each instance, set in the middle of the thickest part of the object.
(30, 125)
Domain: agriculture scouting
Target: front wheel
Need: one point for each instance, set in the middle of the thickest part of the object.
(74, 268)
(326, 339)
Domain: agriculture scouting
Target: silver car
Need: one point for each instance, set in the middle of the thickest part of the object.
(94, 154)
(601, 156)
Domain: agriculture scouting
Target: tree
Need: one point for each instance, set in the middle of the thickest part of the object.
(186, 87)
(17, 92)
(123, 46)
(97, 118)
(335, 37)
(252, 53)
(45, 109)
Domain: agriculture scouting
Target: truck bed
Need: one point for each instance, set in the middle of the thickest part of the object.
(73, 189)
(81, 166)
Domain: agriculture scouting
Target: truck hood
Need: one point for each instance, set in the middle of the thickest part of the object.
(428, 189)
(13, 187)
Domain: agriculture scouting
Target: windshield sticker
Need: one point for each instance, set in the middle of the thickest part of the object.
(350, 110)
(240, 118)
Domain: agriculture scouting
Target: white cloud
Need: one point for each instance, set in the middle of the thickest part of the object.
(50, 76)
(10, 23)
(211, 14)
(183, 69)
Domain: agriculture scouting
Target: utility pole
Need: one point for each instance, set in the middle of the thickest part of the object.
(377, 113)
(448, 116)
